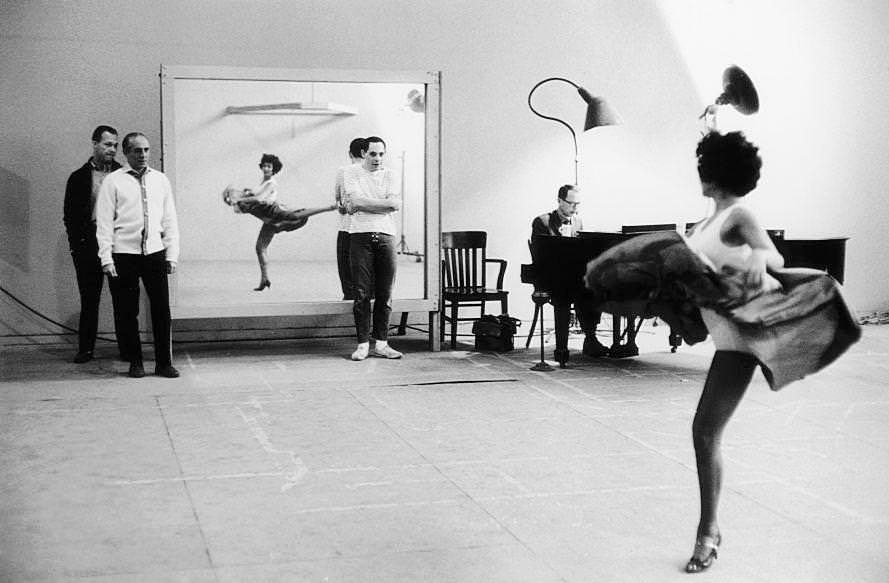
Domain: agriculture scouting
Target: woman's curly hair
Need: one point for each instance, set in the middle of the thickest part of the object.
(273, 160)
(729, 161)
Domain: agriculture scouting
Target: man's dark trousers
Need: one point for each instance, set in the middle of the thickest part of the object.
(152, 270)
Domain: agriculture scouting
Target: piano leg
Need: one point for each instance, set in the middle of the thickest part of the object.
(617, 349)
(632, 325)
(675, 340)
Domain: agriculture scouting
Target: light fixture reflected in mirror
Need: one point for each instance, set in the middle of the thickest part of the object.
(598, 114)
(737, 91)
(416, 102)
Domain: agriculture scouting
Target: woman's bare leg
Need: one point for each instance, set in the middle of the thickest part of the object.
(727, 380)
(266, 234)
(306, 213)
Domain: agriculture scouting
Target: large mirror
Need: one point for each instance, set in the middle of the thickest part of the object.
(217, 122)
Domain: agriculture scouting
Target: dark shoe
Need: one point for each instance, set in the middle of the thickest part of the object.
(137, 371)
(623, 351)
(593, 348)
(561, 356)
(83, 356)
(166, 370)
(263, 283)
(706, 549)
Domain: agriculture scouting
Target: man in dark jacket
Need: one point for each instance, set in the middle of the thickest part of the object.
(80, 223)
(565, 222)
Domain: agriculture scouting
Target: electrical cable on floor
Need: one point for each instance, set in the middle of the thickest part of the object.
(45, 317)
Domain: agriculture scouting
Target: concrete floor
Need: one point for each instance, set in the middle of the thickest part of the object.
(285, 462)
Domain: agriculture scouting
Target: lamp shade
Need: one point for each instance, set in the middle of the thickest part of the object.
(598, 112)
(416, 101)
(738, 91)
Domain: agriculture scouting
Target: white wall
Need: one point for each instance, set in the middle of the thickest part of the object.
(821, 68)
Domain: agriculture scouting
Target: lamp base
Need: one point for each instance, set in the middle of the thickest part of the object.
(403, 249)
(542, 366)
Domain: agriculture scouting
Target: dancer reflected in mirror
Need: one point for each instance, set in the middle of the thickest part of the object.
(263, 204)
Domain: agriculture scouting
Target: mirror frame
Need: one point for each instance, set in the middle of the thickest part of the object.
(432, 228)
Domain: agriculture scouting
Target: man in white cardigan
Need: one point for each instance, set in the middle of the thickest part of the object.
(138, 238)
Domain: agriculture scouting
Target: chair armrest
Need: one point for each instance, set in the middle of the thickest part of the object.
(502, 271)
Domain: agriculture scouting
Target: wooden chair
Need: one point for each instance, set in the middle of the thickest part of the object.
(464, 278)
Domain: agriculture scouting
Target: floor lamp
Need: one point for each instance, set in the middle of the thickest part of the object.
(598, 113)
(737, 91)
(416, 102)
(402, 248)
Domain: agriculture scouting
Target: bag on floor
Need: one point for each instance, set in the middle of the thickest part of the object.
(495, 333)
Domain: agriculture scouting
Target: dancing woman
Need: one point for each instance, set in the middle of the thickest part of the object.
(263, 204)
(732, 241)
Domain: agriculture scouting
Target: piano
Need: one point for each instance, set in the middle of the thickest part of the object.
(825, 254)
(558, 265)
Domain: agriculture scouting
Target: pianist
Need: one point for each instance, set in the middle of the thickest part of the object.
(565, 222)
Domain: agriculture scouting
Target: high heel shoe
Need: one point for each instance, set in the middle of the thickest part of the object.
(263, 283)
(706, 547)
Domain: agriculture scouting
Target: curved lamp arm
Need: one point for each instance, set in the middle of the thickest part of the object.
(570, 129)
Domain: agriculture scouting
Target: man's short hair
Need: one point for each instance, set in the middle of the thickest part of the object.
(125, 144)
(357, 147)
(565, 189)
(374, 139)
(97, 133)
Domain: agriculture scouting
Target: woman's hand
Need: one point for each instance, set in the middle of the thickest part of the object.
(755, 268)
(741, 228)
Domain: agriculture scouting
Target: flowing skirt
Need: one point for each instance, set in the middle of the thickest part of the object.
(272, 213)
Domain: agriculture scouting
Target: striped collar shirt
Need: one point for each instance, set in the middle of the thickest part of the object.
(136, 214)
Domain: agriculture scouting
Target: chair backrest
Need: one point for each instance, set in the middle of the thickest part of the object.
(463, 258)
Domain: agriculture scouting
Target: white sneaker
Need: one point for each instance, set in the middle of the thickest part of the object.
(383, 350)
(361, 352)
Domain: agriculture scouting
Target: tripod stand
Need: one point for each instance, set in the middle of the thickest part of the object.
(403, 248)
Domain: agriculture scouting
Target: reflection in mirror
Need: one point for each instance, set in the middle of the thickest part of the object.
(221, 129)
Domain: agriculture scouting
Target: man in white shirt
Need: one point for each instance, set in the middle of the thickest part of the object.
(344, 267)
(138, 237)
(371, 198)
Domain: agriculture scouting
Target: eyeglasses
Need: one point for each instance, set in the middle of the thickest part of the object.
(573, 205)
